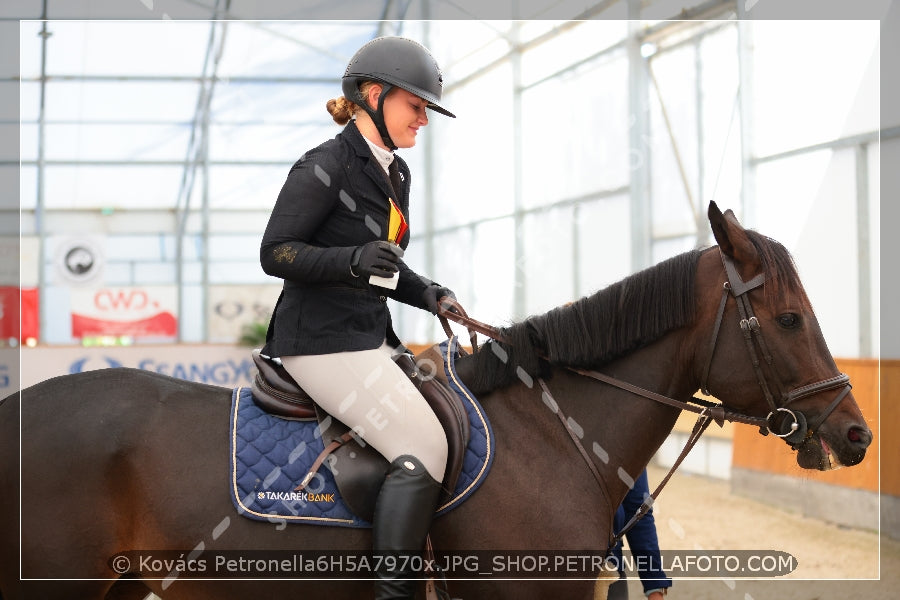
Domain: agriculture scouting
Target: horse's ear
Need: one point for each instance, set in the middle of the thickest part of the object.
(731, 236)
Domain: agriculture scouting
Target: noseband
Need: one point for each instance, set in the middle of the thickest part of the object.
(790, 425)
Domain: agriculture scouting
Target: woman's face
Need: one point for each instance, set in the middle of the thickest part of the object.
(404, 114)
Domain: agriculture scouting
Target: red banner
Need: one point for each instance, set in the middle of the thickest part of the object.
(129, 311)
(19, 305)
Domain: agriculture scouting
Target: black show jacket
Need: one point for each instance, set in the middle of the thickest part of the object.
(335, 198)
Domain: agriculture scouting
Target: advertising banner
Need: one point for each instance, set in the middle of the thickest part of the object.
(125, 311)
(18, 307)
(234, 306)
(222, 365)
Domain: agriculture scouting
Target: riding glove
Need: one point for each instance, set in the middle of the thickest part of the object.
(435, 292)
(379, 258)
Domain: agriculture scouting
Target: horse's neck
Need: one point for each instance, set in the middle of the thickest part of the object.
(622, 430)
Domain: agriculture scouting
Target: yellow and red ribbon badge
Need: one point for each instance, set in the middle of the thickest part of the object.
(397, 225)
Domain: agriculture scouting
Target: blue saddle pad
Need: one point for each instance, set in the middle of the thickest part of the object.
(271, 455)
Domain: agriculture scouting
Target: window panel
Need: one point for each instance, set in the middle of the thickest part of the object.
(119, 142)
(673, 205)
(581, 150)
(493, 271)
(141, 248)
(546, 264)
(721, 121)
(156, 101)
(246, 186)
(576, 42)
(294, 49)
(473, 157)
(29, 94)
(258, 142)
(111, 187)
(813, 81)
(604, 243)
(292, 104)
(151, 47)
(464, 48)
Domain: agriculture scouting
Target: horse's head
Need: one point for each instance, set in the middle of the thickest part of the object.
(769, 358)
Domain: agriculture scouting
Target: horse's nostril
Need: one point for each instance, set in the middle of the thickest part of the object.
(859, 436)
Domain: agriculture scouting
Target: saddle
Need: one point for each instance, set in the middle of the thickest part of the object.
(358, 469)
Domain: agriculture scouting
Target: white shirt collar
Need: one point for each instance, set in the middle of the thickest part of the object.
(384, 157)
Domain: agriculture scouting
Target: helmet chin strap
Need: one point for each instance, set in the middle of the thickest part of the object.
(378, 116)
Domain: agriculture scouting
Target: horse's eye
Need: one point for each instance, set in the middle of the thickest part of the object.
(789, 321)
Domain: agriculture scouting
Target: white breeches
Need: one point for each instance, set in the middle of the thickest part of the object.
(369, 393)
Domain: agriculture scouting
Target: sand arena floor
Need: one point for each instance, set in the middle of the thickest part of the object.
(833, 562)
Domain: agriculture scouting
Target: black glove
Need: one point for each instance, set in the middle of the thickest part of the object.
(376, 258)
(433, 293)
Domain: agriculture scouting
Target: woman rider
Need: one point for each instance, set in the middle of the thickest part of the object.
(336, 237)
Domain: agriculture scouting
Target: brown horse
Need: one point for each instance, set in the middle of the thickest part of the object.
(122, 460)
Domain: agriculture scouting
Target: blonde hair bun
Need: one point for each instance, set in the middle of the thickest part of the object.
(340, 110)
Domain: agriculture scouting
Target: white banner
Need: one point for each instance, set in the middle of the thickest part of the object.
(226, 366)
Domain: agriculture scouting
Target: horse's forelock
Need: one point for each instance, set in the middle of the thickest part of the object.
(782, 279)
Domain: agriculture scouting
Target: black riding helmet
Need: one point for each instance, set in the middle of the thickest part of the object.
(393, 62)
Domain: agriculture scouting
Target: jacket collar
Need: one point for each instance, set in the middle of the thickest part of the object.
(371, 168)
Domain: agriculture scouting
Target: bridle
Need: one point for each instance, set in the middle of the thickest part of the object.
(792, 425)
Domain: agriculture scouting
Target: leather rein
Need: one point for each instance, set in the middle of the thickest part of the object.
(793, 427)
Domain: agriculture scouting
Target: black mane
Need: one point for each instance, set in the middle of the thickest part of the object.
(615, 321)
(593, 330)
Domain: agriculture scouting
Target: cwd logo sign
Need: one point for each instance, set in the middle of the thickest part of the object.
(132, 311)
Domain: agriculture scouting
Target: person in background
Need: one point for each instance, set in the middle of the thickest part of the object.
(643, 543)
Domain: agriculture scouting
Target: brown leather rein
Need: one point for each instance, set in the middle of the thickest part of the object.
(794, 433)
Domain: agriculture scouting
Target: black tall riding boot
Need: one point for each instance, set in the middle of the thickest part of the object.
(403, 514)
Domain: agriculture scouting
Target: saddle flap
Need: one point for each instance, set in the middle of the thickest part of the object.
(450, 412)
